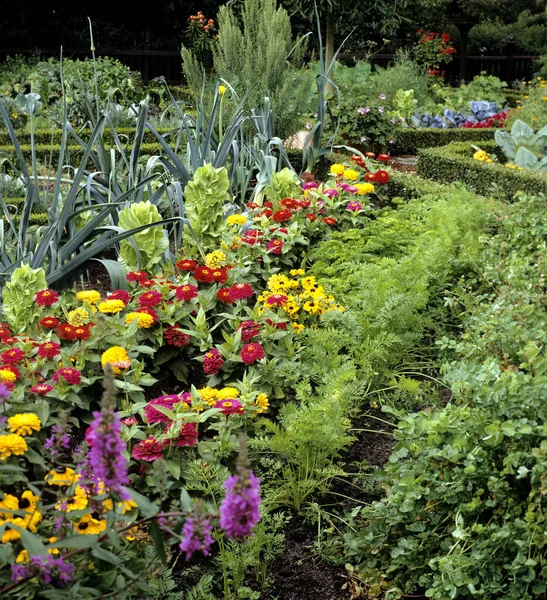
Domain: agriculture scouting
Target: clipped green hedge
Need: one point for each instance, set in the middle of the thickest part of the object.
(36, 218)
(410, 140)
(455, 162)
(408, 186)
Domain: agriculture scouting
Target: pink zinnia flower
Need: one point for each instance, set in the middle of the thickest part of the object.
(354, 206)
(186, 292)
(250, 353)
(155, 416)
(229, 406)
(149, 299)
(212, 362)
(41, 389)
(46, 297)
(49, 350)
(12, 356)
(276, 299)
(119, 295)
(240, 291)
(274, 246)
(249, 330)
(149, 449)
(69, 374)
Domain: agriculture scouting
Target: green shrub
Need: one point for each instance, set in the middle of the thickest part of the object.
(410, 140)
(455, 163)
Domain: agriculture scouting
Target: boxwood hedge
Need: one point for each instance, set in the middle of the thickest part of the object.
(409, 141)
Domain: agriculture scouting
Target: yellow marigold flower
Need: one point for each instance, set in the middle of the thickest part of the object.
(222, 89)
(24, 423)
(228, 392)
(297, 272)
(297, 327)
(22, 557)
(12, 444)
(208, 395)
(78, 316)
(262, 402)
(76, 502)
(364, 188)
(87, 525)
(111, 306)
(88, 297)
(113, 355)
(337, 169)
(236, 220)
(63, 478)
(351, 175)
(144, 320)
(7, 376)
(215, 259)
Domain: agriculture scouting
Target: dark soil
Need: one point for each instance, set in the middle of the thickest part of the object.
(300, 573)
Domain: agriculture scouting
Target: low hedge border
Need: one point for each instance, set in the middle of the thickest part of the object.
(410, 140)
(455, 162)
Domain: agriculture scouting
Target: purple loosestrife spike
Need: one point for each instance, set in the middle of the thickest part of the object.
(240, 509)
(196, 535)
(105, 462)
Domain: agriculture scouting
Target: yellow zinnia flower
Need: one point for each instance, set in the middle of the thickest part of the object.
(78, 316)
(215, 259)
(144, 320)
(228, 392)
(208, 395)
(24, 423)
(262, 402)
(236, 220)
(337, 169)
(114, 355)
(351, 175)
(89, 297)
(7, 376)
(297, 272)
(222, 89)
(364, 188)
(12, 444)
(111, 306)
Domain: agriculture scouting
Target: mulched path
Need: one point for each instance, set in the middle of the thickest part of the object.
(404, 164)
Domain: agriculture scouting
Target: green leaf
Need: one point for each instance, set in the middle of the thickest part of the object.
(173, 466)
(75, 542)
(156, 534)
(107, 556)
(147, 508)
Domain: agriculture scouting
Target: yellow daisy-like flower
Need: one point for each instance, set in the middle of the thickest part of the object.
(308, 282)
(24, 423)
(12, 444)
(62, 478)
(52, 540)
(215, 260)
(297, 327)
(124, 506)
(236, 220)
(144, 320)
(114, 355)
(76, 502)
(78, 316)
(29, 522)
(22, 557)
(208, 395)
(337, 169)
(111, 306)
(222, 89)
(228, 392)
(89, 297)
(351, 175)
(297, 272)
(7, 376)
(364, 188)
(87, 525)
(262, 402)
(278, 283)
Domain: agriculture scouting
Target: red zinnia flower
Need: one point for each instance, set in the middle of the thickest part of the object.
(381, 176)
(42, 389)
(149, 299)
(281, 215)
(122, 295)
(69, 374)
(12, 356)
(274, 246)
(129, 421)
(384, 157)
(250, 353)
(49, 350)
(186, 292)
(174, 336)
(212, 362)
(49, 322)
(252, 237)
(229, 406)
(278, 324)
(149, 450)
(289, 203)
(311, 217)
(329, 221)
(13, 370)
(370, 177)
(46, 297)
(278, 229)
(223, 295)
(83, 332)
(66, 331)
(252, 205)
(240, 291)
(140, 277)
(267, 212)
(304, 203)
(186, 265)
(204, 274)
(188, 436)
(249, 330)
(155, 416)
(276, 299)
(220, 274)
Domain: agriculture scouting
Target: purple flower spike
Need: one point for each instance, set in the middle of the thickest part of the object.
(239, 511)
(196, 536)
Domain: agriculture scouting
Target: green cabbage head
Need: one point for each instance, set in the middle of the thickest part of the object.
(152, 242)
(19, 307)
(204, 203)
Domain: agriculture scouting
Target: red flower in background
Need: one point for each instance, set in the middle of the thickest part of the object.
(204, 274)
(223, 295)
(82, 332)
(249, 330)
(240, 291)
(274, 246)
(250, 353)
(149, 299)
(381, 176)
(186, 264)
(311, 217)
(140, 277)
(122, 295)
(174, 336)
(212, 362)
(66, 331)
(229, 406)
(42, 389)
(329, 221)
(220, 275)
(48, 322)
(188, 436)
(149, 450)
(282, 215)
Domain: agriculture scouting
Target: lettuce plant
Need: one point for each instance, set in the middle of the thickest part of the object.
(205, 195)
(144, 249)
(285, 184)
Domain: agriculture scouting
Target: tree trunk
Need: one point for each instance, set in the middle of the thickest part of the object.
(329, 50)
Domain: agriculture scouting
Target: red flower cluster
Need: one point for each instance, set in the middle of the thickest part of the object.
(250, 353)
(122, 295)
(12, 356)
(249, 330)
(140, 277)
(252, 237)
(206, 275)
(229, 406)
(186, 265)
(282, 215)
(66, 331)
(496, 120)
(212, 362)
(48, 322)
(174, 336)
(149, 449)
(274, 247)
